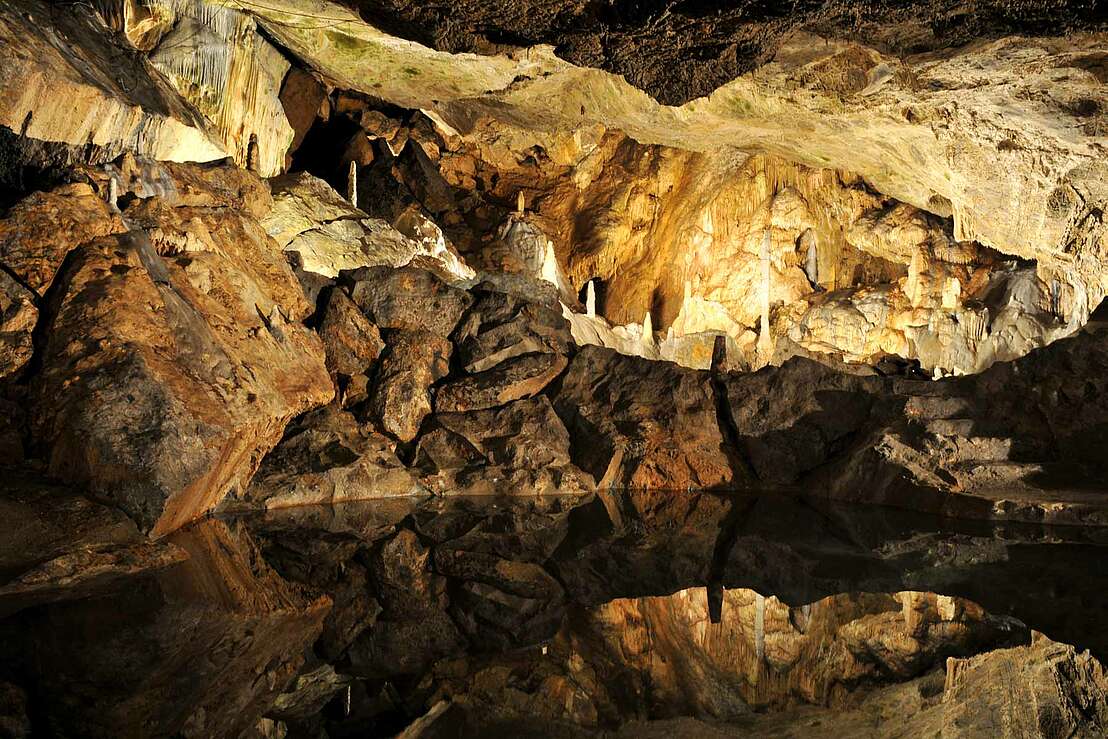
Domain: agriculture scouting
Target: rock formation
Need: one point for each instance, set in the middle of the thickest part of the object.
(383, 368)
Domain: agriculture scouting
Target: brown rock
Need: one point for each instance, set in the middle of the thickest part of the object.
(18, 316)
(327, 458)
(407, 298)
(1046, 689)
(520, 448)
(500, 326)
(401, 396)
(42, 228)
(173, 361)
(513, 379)
(352, 343)
(653, 423)
(793, 418)
(301, 98)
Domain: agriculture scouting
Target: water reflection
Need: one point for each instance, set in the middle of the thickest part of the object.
(559, 615)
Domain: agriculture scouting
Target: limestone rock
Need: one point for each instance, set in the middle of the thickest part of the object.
(520, 448)
(501, 326)
(512, 379)
(352, 343)
(37, 233)
(791, 419)
(401, 393)
(636, 423)
(74, 86)
(1046, 689)
(408, 298)
(332, 235)
(18, 316)
(326, 458)
(189, 358)
(218, 61)
(301, 98)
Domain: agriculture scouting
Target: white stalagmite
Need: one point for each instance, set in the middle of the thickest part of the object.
(952, 293)
(811, 263)
(647, 330)
(765, 342)
(352, 184)
(590, 299)
(550, 264)
(913, 286)
(521, 203)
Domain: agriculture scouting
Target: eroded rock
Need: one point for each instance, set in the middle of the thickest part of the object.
(634, 422)
(190, 355)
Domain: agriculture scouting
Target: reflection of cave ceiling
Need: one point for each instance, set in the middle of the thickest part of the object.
(677, 50)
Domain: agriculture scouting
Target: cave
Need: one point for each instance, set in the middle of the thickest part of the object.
(608, 369)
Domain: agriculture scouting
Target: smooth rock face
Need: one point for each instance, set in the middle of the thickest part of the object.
(191, 360)
(633, 422)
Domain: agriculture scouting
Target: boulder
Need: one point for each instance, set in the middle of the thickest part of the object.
(18, 315)
(501, 326)
(326, 457)
(38, 232)
(174, 356)
(513, 379)
(1045, 689)
(401, 397)
(791, 419)
(407, 298)
(640, 423)
(520, 448)
(352, 343)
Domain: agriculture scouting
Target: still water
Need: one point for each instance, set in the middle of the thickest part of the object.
(638, 613)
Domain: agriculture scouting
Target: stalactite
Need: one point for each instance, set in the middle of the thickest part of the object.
(352, 184)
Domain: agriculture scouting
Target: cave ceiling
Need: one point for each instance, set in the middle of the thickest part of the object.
(679, 50)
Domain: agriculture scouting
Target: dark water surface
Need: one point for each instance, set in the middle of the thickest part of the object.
(578, 614)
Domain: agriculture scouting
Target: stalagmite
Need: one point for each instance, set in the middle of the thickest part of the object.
(912, 289)
(952, 293)
(647, 330)
(352, 184)
(811, 259)
(521, 203)
(550, 264)
(590, 299)
(765, 341)
(760, 626)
